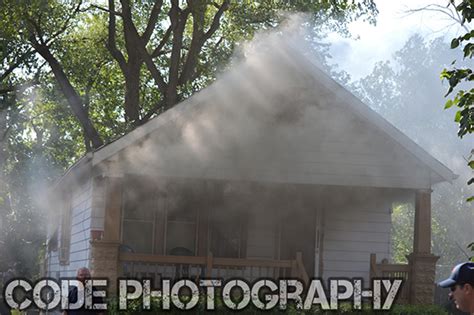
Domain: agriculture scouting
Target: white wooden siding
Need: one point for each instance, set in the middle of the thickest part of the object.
(289, 132)
(356, 224)
(81, 202)
(327, 146)
(261, 237)
(301, 97)
(98, 204)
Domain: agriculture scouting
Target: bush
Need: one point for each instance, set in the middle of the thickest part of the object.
(346, 309)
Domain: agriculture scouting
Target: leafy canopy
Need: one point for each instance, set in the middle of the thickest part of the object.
(463, 78)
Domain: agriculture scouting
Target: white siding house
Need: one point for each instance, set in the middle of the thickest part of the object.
(303, 167)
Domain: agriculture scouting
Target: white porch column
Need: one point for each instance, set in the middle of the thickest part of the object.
(422, 262)
(105, 252)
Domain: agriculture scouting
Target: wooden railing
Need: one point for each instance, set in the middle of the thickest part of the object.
(159, 267)
(394, 271)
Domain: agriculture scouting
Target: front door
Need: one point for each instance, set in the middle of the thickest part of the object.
(301, 229)
(298, 235)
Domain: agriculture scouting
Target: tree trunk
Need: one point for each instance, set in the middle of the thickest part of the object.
(133, 65)
(178, 19)
(72, 97)
(132, 92)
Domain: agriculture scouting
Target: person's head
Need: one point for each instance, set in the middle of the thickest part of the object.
(82, 274)
(461, 283)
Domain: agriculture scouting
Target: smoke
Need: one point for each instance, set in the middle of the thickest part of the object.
(221, 122)
(407, 91)
(262, 129)
(255, 137)
(266, 101)
(24, 179)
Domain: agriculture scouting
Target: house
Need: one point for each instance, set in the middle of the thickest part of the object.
(275, 170)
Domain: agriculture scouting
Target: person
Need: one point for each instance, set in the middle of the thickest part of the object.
(461, 283)
(82, 275)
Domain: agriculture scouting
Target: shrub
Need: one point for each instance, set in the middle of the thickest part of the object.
(345, 309)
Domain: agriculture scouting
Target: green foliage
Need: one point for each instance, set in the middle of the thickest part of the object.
(389, 91)
(464, 98)
(466, 9)
(402, 232)
(471, 247)
(344, 308)
(40, 136)
(417, 310)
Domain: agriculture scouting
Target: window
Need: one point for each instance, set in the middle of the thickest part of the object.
(181, 229)
(65, 241)
(139, 216)
(53, 242)
(227, 234)
(159, 220)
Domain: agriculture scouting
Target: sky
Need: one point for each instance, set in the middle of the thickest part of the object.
(395, 25)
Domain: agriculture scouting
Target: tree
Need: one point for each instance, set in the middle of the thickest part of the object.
(389, 89)
(173, 44)
(13, 56)
(464, 99)
(77, 75)
(189, 37)
(41, 25)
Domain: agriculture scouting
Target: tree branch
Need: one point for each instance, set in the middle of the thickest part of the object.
(126, 10)
(443, 10)
(35, 36)
(135, 42)
(155, 73)
(199, 39)
(217, 44)
(157, 51)
(65, 25)
(178, 19)
(70, 93)
(13, 66)
(16, 87)
(460, 19)
(216, 20)
(111, 44)
(105, 10)
(198, 11)
(155, 11)
(161, 104)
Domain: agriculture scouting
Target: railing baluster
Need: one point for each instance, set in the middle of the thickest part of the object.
(172, 267)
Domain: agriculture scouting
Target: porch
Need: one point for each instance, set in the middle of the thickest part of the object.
(157, 267)
(298, 236)
(418, 275)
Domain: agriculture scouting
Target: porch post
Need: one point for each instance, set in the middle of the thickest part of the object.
(422, 261)
(105, 251)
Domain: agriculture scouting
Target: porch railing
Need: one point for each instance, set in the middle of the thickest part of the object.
(398, 271)
(157, 267)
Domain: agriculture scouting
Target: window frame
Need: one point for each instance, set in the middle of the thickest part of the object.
(66, 225)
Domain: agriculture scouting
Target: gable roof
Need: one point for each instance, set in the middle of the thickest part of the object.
(321, 81)
(445, 174)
